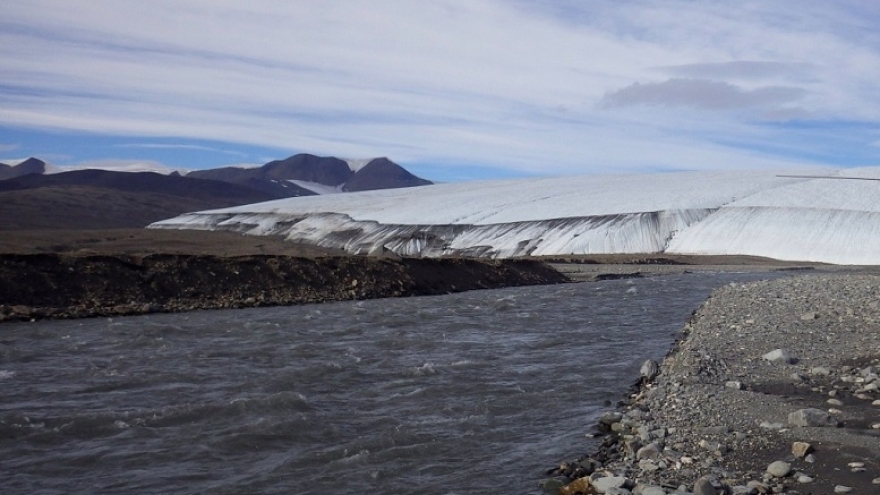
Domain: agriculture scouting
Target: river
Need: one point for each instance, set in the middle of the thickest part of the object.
(478, 392)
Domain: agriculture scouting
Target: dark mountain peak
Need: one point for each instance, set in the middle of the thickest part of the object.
(30, 166)
(382, 173)
(328, 170)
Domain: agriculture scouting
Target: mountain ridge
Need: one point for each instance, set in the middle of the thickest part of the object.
(95, 198)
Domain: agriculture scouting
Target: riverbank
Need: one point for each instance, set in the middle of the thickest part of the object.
(40, 286)
(773, 388)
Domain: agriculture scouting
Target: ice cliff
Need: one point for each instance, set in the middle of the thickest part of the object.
(788, 215)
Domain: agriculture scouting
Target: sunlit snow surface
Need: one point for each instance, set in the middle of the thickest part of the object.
(785, 215)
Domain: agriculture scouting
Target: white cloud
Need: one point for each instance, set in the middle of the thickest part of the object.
(701, 93)
(449, 81)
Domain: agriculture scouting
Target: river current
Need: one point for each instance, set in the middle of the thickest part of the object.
(477, 392)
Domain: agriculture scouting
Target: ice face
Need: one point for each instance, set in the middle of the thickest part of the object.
(786, 215)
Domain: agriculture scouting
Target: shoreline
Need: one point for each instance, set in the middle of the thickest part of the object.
(719, 415)
(54, 286)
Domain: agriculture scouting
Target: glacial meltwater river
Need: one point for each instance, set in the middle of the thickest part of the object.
(470, 393)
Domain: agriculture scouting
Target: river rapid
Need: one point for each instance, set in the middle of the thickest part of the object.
(468, 393)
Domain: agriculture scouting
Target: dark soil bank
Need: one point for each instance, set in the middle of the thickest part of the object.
(59, 286)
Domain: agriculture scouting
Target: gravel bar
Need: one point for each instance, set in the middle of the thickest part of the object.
(772, 388)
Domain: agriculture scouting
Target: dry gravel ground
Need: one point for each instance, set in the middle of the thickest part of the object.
(719, 412)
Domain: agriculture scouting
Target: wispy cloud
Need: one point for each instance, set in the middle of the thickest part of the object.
(542, 87)
(8, 147)
(193, 147)
(702, 93)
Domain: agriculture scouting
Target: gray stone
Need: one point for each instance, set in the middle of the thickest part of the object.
(649, 490)
(842, 489)
(617, 491)
(650, 451)
(707, 486)
(780, 356)
(650, 369)
(610, 417)
(779, 469)
(804, 479)
(602, 485)
(820, 370)
(812, 417)
(734, 385)
(772, 426)
(743, 490)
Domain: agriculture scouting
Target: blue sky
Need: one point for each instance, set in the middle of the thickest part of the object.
(452, 90)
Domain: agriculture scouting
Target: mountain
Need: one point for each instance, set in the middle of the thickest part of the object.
(382, 173)
(98, 199)
(820, 215)
(29, 166)
(307, 175)
(30, 198)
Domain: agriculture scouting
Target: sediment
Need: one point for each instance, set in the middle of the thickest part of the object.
(772, 388)
(39, 286)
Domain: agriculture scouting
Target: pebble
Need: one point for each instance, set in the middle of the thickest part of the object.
(780, 356)
(842, 489)
(801, 449)
(779, 469)
(804, 479)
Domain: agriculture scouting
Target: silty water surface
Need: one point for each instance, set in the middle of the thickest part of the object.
(469, 393)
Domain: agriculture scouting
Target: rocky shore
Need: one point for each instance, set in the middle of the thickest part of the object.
(772, 388)
(38, 286)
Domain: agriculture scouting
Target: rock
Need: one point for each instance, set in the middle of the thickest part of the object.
(875, 481)
(734, 385)
(780, 356)
(553, 486)
(801, 449)
(706, 485)
(650, 369)
(835, 402)
(617, 491)
(602, 485)
(610, 417)
(812, 417)
(820, 370)
(650, 451)
(779, 469)
(771, 426)
(580, 485)
(842, 489)
(649, 490)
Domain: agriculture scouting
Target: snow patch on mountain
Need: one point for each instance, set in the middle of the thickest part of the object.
(317, 187)
(356, 164)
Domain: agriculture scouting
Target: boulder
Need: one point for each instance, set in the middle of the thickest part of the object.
(812, 417)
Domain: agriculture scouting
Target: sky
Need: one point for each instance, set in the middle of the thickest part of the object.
(452, 90)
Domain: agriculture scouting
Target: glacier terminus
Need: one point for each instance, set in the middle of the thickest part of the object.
(820, 215)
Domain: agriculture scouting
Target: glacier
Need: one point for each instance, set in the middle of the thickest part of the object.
(815, 214)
